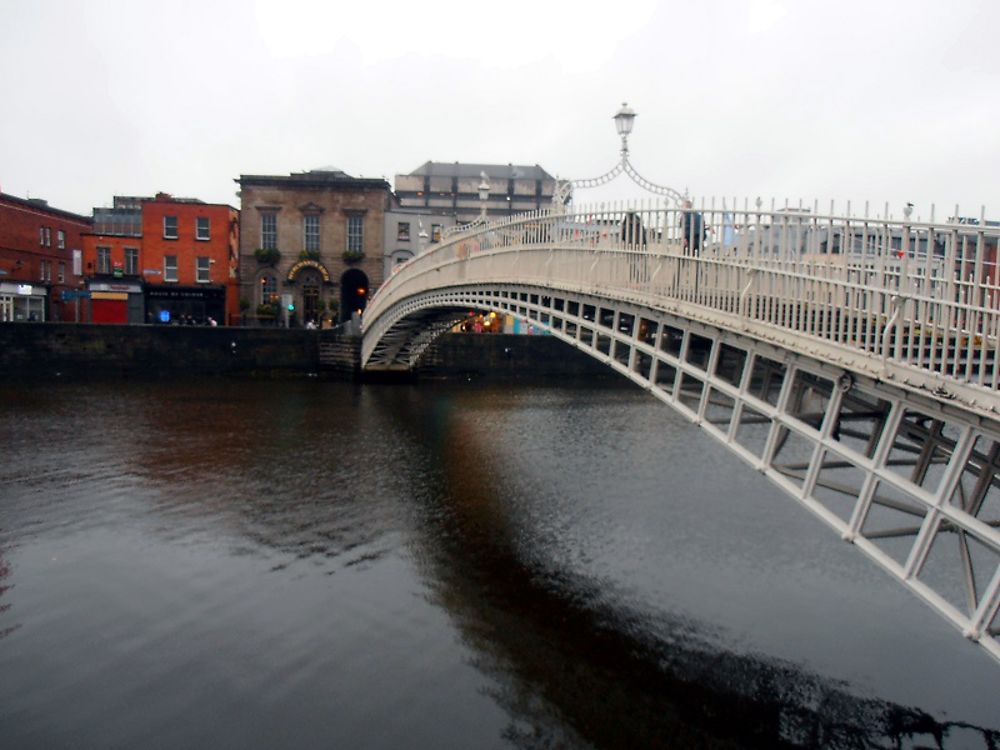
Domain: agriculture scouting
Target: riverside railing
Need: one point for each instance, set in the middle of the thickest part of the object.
(920, 294)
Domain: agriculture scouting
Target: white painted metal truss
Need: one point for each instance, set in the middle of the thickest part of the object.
(852, 361)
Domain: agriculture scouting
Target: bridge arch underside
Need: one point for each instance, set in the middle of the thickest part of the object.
(912, 482)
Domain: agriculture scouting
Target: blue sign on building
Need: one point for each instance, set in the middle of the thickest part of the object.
(164, 316)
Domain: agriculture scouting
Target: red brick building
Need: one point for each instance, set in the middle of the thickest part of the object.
(163, 260)
(40, 251)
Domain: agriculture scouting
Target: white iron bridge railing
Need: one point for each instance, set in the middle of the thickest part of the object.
(921, 297)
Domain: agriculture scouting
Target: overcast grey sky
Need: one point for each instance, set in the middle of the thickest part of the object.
(881, 100)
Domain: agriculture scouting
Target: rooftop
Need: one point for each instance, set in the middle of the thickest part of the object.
(493, 171)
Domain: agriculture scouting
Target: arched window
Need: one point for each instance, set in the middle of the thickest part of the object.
(268, 289)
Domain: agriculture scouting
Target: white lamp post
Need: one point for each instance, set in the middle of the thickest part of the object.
(484, 195)
(624, 121)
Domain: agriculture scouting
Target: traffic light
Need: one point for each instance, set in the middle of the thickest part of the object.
(291, 307)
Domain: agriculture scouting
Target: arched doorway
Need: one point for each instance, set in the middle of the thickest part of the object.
(353, 292)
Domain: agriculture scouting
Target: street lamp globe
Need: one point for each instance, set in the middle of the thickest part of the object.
(624, 120)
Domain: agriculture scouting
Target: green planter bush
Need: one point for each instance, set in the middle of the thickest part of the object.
(267, 256)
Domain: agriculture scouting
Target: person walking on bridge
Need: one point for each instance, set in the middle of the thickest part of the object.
(693, 226)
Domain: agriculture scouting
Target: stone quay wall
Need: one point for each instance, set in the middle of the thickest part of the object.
(73, 351)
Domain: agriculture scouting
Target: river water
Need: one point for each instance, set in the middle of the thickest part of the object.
(323, 565)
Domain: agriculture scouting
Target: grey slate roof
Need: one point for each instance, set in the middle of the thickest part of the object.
(498, 171)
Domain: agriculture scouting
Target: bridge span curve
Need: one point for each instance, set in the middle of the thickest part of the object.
(851, 360)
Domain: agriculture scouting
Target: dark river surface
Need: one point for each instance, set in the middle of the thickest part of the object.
(323, 565)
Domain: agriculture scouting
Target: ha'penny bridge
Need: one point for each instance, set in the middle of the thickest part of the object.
(850, 356)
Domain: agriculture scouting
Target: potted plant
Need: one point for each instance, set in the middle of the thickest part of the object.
(353, 256)
(267, 256)
(309, 255)
(266, 311)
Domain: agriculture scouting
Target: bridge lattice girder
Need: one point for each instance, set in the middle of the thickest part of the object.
(891, 442)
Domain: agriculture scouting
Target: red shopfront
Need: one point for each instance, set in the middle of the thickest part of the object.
(116, 303)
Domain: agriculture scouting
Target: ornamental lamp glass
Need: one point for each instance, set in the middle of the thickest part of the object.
(624, 120)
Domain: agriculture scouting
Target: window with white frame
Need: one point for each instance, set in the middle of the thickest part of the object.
(61, 239)
(269, 231)
(170, 227)
(62, 271)
(310, 231)
(355, 236)
(131, 261)
(104, 260)
(41, 236)
(170, 268)
(201, 267)
(403, 231)
(202, 228)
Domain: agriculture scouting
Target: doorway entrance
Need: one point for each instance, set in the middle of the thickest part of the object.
(353, 293)
(310, 300)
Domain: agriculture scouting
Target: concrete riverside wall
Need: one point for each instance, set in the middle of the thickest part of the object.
(508, 357)
(69, 350)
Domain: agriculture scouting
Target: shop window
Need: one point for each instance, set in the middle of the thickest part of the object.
(104, 260)
(203, 228)
(268, 289)
(170, 268)
(170, 227)
(202, 265)
(435, 232)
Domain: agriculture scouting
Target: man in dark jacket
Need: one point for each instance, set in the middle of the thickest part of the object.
(693, 226)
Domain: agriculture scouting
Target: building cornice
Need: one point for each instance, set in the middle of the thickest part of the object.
(314, 181)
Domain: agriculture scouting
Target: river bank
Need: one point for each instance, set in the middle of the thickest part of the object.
(67, 350)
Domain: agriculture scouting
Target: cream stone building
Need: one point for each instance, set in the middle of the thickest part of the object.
(311, 245)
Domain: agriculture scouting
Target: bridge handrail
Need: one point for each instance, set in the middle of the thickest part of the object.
(921, 294)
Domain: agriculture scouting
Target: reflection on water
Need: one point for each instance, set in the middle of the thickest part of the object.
(314, 564)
